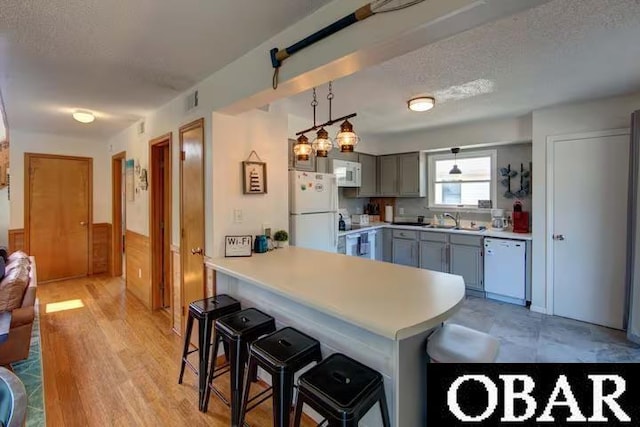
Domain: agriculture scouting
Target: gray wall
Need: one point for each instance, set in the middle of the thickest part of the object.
(513, 154)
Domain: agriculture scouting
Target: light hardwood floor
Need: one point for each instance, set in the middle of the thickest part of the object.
(113, 362)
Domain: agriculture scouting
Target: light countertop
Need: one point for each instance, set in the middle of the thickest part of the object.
(389, 300)
(486, 233)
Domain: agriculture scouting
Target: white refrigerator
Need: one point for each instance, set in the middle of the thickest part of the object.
(313, 209)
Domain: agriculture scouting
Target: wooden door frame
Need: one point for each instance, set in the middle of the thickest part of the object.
(156, 270)
(117, 245)
(183, 249)
(549, 198)
(27, 201)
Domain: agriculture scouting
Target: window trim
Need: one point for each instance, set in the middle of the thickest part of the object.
(431, 182)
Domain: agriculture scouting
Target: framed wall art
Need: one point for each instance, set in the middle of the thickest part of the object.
(254, 175)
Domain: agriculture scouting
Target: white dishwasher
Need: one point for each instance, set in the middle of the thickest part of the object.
(505, 270)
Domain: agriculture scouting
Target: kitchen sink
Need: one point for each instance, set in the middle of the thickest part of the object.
(445, 227)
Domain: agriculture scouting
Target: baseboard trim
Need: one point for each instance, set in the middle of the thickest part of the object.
(537, 309)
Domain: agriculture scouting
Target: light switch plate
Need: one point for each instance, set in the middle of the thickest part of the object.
(237, 216)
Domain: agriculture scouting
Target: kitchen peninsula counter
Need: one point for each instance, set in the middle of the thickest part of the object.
(377, 313)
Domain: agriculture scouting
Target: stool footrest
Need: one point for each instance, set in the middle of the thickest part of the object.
(259, 396)
(220, 395)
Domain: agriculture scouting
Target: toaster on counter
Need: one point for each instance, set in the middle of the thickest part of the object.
(361, 219)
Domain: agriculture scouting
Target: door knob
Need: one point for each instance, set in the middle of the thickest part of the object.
(558, 237)
(196, 251)
(83, 223)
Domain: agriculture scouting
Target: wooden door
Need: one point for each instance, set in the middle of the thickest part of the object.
(192, 213)
(117, 205)
(587, 226)
(58, 214)
(160, 221)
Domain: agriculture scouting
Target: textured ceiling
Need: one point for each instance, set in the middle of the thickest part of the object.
(562, 51)
(122, 58)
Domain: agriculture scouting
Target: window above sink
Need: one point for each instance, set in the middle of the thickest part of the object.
(478, 180)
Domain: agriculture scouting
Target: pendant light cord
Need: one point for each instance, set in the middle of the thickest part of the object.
(330, 98)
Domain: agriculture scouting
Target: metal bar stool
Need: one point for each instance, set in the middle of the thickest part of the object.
(281, 354)
(205, 311)
(342, 391)
(239, 330)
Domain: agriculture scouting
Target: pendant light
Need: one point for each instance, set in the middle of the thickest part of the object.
(302, 149)
(455, 170)
(346, 138)
(322, 144)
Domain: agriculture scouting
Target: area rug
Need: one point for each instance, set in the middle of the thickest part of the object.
(30, 372)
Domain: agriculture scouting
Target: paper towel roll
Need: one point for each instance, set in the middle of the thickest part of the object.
(388, 213)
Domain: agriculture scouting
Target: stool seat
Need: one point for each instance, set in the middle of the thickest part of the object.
(341, 380)
(286, 348)
(217, 306)
(281, 354)
(458, 344)
(342, 391)
(249, 321)
(238, 331)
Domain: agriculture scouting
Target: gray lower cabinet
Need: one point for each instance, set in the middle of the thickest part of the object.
(466, 260)
(387, 245)
(379, 249)
(433, 256)
(406, 248)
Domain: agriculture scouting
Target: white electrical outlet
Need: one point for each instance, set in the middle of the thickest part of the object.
(266, 229)
(401, 211)
(237, 216)
(139, 273)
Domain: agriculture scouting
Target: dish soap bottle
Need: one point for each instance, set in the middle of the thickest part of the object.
(341, 224)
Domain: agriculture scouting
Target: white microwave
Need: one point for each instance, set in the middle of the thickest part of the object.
(348, 174)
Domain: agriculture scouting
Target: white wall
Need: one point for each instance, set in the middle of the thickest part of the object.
(608, 113)
(246, 83)
(233, 138)
(494, 131)
(29, 142)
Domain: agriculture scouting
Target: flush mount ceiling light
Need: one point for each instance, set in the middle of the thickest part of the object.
(421, 103)
(83, 116)
(346, 139)
(455, 170)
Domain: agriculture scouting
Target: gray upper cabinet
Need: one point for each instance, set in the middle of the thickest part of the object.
(388, 175)
(323, 165)
(466, 261)
(369, 184)
(412, 175)
(403, 175)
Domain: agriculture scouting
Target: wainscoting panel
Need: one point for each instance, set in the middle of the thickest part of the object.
(138, 268)
(176, 305)
(210, 277)
(16, 239)
(101, 248)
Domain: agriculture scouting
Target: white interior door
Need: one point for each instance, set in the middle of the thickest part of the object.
(589, 226)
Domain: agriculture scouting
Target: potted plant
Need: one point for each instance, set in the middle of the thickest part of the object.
(281, 238)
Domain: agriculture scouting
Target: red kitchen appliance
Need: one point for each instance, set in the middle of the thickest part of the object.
(520, 218)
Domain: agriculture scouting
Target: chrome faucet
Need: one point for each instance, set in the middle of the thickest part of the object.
(455, 218)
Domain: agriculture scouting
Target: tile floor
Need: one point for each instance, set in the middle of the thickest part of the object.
(526, 336)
